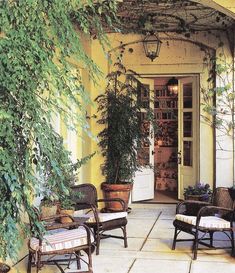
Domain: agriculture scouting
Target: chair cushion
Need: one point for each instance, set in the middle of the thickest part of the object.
(64, 239)
(205, 221)
(104, 217)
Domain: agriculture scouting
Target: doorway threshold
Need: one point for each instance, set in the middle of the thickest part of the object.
(162, 197)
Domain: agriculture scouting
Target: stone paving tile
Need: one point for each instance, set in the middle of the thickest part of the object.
(139, 228)
(164, 216)
(161, 233)
(165, 223)
(107, 264)
(209, 267)
(171, 256)
(159, 266)
(116, 244)
(164, 245)
(216, 256)
(144, 213)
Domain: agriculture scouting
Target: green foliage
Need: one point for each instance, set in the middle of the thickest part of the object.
(121, 137)
(223, 112)
(68, 201)
(38, 82)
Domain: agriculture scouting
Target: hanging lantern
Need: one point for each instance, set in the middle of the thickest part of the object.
(152, 46)
(172, 86)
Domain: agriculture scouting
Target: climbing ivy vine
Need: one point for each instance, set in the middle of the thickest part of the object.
(40, 40)
(219, 102)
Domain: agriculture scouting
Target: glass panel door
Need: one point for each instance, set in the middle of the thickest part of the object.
(187, 149)
(143, 187)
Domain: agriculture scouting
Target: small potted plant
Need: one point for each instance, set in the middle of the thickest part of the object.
(66, 205)
(49, 206)
(199, 192)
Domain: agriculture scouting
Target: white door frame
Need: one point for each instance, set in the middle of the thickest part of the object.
(197, 124)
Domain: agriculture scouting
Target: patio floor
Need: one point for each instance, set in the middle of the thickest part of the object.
(150, 233)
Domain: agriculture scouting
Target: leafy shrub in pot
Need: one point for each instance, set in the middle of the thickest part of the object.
(122, 135)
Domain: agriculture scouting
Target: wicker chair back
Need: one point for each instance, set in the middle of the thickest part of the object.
(222, 198)
(87, 196)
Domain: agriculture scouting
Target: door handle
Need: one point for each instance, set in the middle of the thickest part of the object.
(179, 157)
(153, 152)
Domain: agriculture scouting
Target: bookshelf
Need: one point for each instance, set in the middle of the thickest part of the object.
(165, 139)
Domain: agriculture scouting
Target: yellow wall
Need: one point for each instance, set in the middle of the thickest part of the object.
(78, 142)
(228, 4)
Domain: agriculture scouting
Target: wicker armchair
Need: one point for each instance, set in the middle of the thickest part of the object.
(100, 221)
(201, 218)
(61, 245)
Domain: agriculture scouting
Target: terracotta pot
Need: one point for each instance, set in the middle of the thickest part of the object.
(121, 191)
(47, 211)
(201, 197)
(66, 219)
(4, 268)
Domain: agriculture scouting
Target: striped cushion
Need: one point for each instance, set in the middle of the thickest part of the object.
(206, 221)
(104, 217)
(64, 239)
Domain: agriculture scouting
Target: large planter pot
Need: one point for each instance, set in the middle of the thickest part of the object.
(4, 268)
(121, 191)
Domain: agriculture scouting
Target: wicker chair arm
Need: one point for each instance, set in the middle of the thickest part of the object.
(83, 205)
(88, 232)
(53, 217)
(182, 206)
(113, 200)
(212, 210)
(92, 208)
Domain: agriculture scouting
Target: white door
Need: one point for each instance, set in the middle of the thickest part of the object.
(188, 137)
(143, 187)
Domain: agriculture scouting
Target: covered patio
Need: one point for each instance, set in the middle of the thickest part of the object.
(150, 233)
(187, 39)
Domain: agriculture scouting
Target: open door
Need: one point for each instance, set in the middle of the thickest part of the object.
(188, 137)
(143, 187)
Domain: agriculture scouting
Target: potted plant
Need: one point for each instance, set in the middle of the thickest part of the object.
(199, 192)
(66, 205)
(48, 207)
(122, 135)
